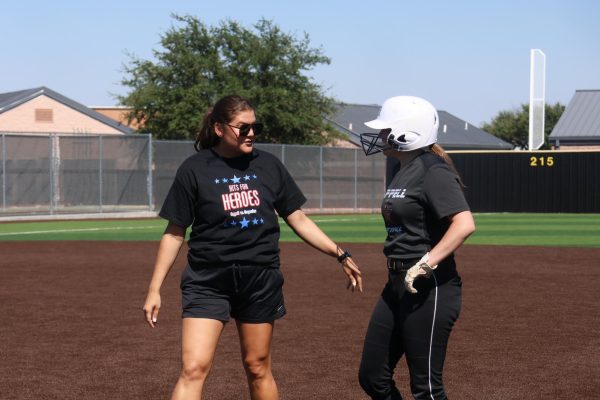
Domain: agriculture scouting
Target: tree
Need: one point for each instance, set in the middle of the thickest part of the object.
(513, 126)
(199, 64)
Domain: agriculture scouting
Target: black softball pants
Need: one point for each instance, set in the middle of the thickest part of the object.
(415, 325)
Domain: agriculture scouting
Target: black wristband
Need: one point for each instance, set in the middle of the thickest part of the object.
(343, 256)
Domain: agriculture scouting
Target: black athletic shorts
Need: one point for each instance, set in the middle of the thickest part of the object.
(248, 293)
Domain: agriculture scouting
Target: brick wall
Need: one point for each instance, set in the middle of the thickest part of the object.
(574, 148)
(119, 114)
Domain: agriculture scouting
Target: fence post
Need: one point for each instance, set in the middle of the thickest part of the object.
(150, 186)
(283, 154)
(100, 156)
(321, 178)
(355, 179)
(56, 156)
(3, 171)
(50, 168)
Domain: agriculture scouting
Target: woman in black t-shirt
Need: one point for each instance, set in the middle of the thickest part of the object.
(427, 219)
(230, 194)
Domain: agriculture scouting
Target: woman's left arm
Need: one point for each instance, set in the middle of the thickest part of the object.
(461, 227)
(308, 231)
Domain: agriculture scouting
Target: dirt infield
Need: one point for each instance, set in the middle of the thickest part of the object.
(72, 327)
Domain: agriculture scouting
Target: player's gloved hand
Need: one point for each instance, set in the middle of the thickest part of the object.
(421, 268)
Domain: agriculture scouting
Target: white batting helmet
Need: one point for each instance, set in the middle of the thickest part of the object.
(405, 123)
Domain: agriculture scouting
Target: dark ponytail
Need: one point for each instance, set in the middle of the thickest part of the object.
(207, 137)
(439, 151)
(223, 112)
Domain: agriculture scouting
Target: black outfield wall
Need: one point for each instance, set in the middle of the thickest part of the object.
(522, 181)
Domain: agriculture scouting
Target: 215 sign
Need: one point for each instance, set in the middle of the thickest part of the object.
(541, 161)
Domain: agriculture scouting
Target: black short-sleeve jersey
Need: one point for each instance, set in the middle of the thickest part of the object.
(416, 204)
(231, 204)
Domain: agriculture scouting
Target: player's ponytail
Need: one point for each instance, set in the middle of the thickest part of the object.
(439, 151)
(207, 137)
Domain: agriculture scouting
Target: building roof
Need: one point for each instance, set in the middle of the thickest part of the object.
(11, 100)
(454, 133)
(580, 122)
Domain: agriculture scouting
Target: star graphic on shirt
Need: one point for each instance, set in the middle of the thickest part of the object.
(233, 223)
(254, 176)
(262, 221)
(224, 180)
(244, 223)
(255, 221)
(217, 181)
(247, 177)
(235, 179)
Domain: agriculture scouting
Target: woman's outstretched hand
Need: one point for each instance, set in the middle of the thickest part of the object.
(353, 273)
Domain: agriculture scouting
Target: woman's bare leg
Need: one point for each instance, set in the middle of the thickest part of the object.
(255, 341)
(199, 338)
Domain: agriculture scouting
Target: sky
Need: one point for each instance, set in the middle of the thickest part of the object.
(469, 58)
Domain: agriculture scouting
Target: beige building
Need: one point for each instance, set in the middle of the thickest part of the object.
(42, 110)
(119, 114)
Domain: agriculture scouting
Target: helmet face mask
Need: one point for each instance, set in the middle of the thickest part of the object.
(405, 123)
(372, 143)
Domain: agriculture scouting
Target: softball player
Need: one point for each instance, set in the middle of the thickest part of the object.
(427, 219)
(230, 194)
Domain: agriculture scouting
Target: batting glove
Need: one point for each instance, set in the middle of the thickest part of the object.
(421, 268)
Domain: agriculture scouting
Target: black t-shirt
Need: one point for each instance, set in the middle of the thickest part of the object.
(231, 204)
(416, 204)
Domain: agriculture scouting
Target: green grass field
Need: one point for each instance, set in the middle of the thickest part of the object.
(574, 230)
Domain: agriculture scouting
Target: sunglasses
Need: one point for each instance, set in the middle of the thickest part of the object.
(244, 129)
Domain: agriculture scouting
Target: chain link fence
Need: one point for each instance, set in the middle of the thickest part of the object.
(65, 174)
(72, 174)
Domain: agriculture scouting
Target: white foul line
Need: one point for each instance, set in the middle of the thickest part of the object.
(116, 228)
